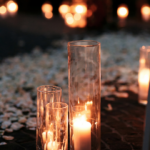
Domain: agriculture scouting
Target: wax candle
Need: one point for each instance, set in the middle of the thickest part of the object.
(82, 134)
(143, 84)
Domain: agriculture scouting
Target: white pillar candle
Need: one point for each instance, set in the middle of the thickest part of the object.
(143, 83)
(82, 134)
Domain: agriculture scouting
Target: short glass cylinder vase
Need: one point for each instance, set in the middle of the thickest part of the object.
(84, 77)
(144, 74)
(56, 133)
(45, 95)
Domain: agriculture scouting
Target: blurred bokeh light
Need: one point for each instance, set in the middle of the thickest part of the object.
(122, 11)
(145, 11)
(12, 7)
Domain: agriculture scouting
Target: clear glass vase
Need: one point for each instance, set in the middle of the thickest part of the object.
(84, 76)
(144, 74)
(56, 126)
(45, 95)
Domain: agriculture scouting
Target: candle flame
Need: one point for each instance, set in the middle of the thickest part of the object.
(122, 12)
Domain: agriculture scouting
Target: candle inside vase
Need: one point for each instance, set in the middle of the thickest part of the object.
(143, 85)
(82, 134)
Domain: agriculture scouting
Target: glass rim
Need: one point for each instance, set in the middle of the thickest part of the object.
(63, 107)
(88, 45)
(58, 89)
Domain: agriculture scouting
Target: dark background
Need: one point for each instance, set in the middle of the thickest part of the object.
(34, 6)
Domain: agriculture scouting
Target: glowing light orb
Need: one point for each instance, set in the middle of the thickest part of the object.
(79, 9)
(77, 17)
(145, 10)
(48, 15)
(70, 20)
(122, 12)
(3, 10)
(47, 8)
(12, 6)
(63, 9)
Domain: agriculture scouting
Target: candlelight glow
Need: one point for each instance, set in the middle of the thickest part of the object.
(63, 9)
(81, 9)
(142, 61)
(89, 13)
(3, 10)
(82, 23)
(47, 8)
(70, 20)
(122, 12)
(12, 6)
(144, 76)
(145, 10)
(48, 15)
(77, 16)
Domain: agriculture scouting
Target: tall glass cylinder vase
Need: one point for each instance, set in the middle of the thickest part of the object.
(45, 95)
(144, 74)
(84, 76)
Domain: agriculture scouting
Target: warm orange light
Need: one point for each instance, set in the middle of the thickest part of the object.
(48, 15)
(144, 76)
(63, 9)
(122, 12)
(77, 17)
(3, 10)
(81, 9)
(145, 11)
(12, 6)
(68, 15)
(82, 23)
(47, 8)
(70, 20)
(89, 13)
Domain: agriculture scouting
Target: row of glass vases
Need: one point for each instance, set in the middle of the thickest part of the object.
(84, 74)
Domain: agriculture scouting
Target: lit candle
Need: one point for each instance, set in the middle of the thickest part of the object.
(144, 84)
(44, 137)
(122, 13)
(145, 11)
(49, 136)
(82, 134)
